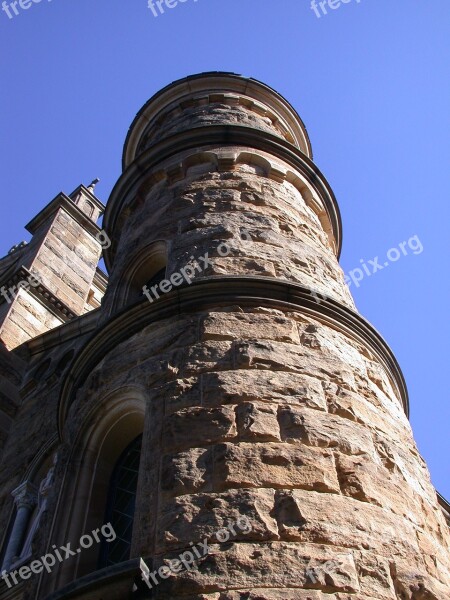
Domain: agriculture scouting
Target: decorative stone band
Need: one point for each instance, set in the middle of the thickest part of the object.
(157, 128)
(445, 507)
(161, 159)
(63, 201)
(41, 293)
(222, 291)
(226, 88)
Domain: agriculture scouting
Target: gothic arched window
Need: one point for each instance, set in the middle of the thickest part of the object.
(121, 505)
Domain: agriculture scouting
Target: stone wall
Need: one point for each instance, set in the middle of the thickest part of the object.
(274, 415)
(268, 214)
(27, 318)
(253, 398)
(67, 261)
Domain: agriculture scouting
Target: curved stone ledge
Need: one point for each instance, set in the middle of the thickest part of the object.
(202, 139)
(214, 85)
(223, 291)
(211, 109)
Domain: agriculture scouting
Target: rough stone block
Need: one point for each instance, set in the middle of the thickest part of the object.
(226, 326)
(275, 465)
(307, 516)
(194, 518)
(278, 356)
(257, 422)
(313, 428)
(198, 426)
(272, 386)
(279, 565)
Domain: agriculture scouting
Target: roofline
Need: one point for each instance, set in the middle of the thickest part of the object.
(186, 83)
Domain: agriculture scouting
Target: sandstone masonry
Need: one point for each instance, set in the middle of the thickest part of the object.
(251, 398)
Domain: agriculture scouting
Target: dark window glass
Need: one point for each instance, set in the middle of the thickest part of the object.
(121, 504)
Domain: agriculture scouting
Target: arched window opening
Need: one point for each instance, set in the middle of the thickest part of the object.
(121, 505)
(150, 271)
(91, 480)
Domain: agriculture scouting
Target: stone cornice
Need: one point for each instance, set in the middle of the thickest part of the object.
(79, 326)
(100, 279)
(63, 201)
(223, 291)
(215, 82)
(445, 506)
(41, 293)
(202, 138)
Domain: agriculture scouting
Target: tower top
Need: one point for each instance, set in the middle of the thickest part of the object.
(158, 117)
(222, 112)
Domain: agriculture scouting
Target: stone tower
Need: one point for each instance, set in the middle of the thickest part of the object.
(271, 418)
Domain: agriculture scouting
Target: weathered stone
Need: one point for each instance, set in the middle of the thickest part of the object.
(281, 565)
(225, 326)
(209, 424)
(275, 465)
(313, 428)
(257, 422)
(240, 386)
(287, 357)
(226, 466)
(321, 518)
(271, 421)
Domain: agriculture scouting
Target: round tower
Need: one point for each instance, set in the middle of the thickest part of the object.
(269, 416)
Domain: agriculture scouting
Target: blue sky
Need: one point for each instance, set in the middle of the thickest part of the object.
(370, 80)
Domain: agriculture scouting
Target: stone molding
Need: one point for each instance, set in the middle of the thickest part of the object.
(202, 139)
(41, 293)
(216, 83)
(227, 99)
(66, 203)
(218, 291)
(89, 586)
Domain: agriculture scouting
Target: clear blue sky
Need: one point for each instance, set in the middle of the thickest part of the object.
(370, 80)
